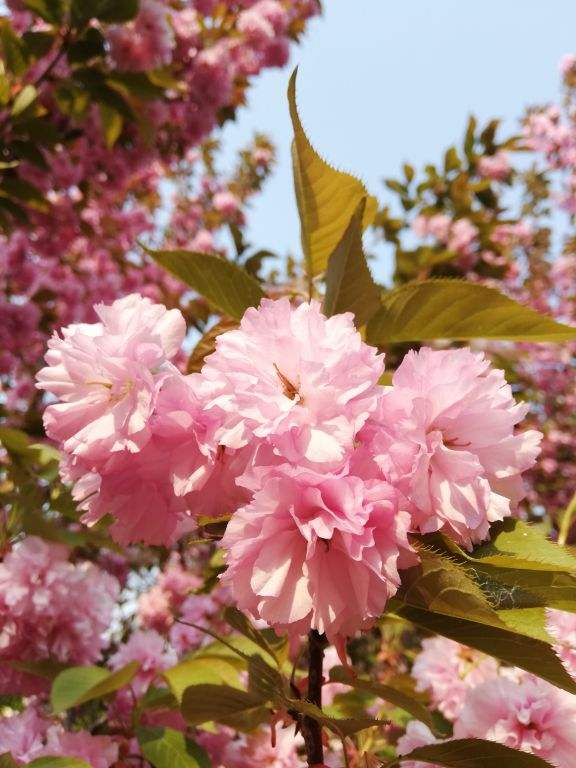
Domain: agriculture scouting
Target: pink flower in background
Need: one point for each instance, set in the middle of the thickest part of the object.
(107, 376)
(317, 551)
(445, 435)
(417, 735)
(151, 652)
(463, 237)
(496, 167)
(531, 715)
(23, 735)
(201, 609)
(562, 626)
(227, 204)
(157, 606)
(289, 375)
(567, 64)
(448, 670)
(40, 592)
(229, 750)
(145, 43)
(97, 751)
(437, 226)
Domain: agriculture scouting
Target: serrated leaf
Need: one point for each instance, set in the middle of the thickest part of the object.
(222, 704)
(455, 309)
(167, 748)
(472, 753)
(349, 284)
(265, 681)
(207, 344)
(226, 286)
(326, 198)
(388, 693)
(78, 685)
(198, 671)
(528, 653)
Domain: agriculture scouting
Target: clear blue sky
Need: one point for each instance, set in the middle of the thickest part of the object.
(383, 81)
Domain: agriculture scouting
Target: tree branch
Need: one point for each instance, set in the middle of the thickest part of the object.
(311, 728)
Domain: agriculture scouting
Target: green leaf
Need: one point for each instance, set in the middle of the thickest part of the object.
(226, 286)
(472, 753)
(326, 198)
(167, 748)
(265, 681)
(112, 123)
(7, 761)
(24, 99)
(57, 762)
(46, 669)
(343, 726)
(223, 704)
(78, 685)
(115, 11)
(200, 670)
(388, 693)
(455, 309)
(241, 624)
(15, 55)
(349, 284)
(528, 653)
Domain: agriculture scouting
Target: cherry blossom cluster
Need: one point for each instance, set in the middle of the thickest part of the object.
(487, 700)
(286, 430)
(104, 199)
(41, 593)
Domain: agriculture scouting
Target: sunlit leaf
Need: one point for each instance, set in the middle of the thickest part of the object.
(223, 704)
(78, 685)
(455, 309)
(349, 284)
(200, 670)
(167, 748)
(207, 344)
(326, 198)
(227, 287)
(57, 762)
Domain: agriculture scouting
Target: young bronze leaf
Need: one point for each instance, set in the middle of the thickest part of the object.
(349, 284)
(454, 309)
(326, 198)
(472, 753)
(228, 288)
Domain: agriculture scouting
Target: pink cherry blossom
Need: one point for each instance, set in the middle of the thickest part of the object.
(97, 751)
(40, 592)
(290, 375)
(448, 670)
(417, 735)
(23, 735)
(531, 715)
(107, 376)
(229, 750)
(317, 551)
(146, 42)
(496, 167)
(562, 626)
(445, 434)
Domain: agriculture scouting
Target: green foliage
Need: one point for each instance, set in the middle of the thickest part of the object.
(327, 199)
(167, 748)
(390, 693)
(349, 284)
(223, 704)
(198, 670)
(7, 761)
(472, 753)
(453, 309)
(227, 287)
(78, 685)
(58, 762)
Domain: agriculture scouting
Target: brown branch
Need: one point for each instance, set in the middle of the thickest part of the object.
(311, 728)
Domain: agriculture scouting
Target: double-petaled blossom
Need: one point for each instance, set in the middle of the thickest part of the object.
(562, 626)
(317, 551)
(530, 715)
(448, 670)
(107, 375)
(40, 595)
(445, 435)
(293, 377)
(27, 736)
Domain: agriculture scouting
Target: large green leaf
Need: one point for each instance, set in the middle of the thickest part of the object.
(78, 685)
(455, 309)
(389, 693)
(200, 670)
(472, 753)
(229, 288)
(529, 653)
(326, 198)
(223, 704)
(167, 748)
(349, 284)
(57, 762)
(7, 761)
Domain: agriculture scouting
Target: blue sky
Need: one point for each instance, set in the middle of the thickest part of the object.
(383, 81)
